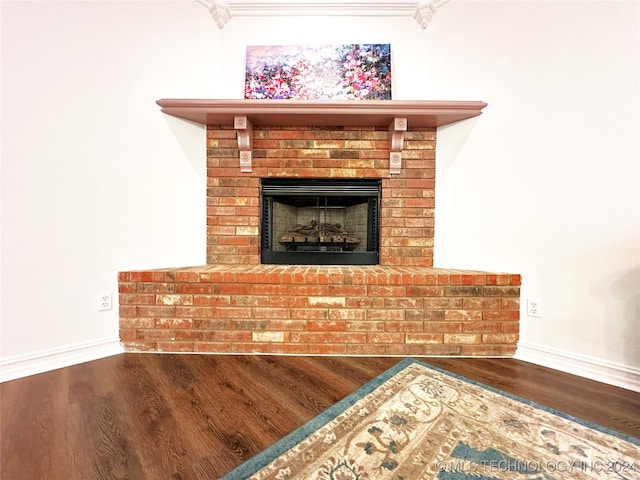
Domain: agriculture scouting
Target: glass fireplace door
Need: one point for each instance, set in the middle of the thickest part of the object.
(320, 222)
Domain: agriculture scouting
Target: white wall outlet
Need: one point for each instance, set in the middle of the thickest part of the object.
(105, 301)
(534, 307)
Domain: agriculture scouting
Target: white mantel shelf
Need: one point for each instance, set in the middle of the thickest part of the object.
(396, 115)
(418, 113)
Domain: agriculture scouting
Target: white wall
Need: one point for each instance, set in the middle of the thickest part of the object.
(96, 180)
(546, 182)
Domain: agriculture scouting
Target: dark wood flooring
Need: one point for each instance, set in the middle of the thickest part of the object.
(154, 416)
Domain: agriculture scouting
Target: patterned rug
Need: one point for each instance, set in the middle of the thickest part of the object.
(418, 422)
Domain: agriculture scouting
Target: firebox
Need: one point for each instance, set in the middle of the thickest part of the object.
(320, 221)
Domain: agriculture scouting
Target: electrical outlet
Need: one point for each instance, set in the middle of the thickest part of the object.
(104, 301)
(534, 307)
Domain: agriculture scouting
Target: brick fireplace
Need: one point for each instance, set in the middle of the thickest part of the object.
(237, 304)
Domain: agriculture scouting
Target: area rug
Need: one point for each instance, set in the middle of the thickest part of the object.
(418, 422)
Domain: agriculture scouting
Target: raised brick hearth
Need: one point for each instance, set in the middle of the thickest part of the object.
(403, 306)
(320, 310)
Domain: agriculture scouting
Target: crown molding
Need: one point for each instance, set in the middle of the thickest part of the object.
(426, 10)
(421, 10)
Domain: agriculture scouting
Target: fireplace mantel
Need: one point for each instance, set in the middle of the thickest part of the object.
(418, 113)
(397, 115)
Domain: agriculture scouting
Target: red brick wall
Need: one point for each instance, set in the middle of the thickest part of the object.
(404, 306)
(233, 198)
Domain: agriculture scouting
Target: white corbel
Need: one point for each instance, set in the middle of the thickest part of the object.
(396, 144)
(244, 132)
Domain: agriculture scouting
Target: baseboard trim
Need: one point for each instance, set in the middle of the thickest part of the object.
(581, 365)
(24, 365)
(595, 369)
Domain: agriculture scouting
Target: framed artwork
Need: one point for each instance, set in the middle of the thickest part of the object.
(319, 72)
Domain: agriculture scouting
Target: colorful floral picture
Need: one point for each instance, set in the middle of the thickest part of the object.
(320, 72)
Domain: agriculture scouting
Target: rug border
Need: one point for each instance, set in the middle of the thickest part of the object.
(267, 455)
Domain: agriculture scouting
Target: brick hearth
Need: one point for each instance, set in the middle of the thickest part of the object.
(403, 306)
(320, 310)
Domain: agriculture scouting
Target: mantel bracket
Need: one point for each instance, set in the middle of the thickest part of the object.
(396, 144)
(244, 132)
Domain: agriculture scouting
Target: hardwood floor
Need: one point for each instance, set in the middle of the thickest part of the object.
(155, 416)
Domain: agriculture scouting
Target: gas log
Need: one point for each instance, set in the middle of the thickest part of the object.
(315, 232)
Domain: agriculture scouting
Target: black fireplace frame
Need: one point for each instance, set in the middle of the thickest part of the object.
(272, 189)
